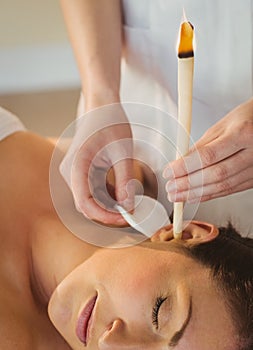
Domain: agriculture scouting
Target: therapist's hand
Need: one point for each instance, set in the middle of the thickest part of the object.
(219, 164)
(103, 141)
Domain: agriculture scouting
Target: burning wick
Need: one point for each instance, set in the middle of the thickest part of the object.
(185, 87)
(185, 48)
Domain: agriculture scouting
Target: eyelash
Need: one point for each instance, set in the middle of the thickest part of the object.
(158, 303)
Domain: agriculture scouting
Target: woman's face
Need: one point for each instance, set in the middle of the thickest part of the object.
(141, 298)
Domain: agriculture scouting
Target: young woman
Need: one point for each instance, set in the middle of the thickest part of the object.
(58, 292)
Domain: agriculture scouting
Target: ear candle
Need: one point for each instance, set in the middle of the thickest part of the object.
(185, 87)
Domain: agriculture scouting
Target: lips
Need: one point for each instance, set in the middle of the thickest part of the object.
(84, 321)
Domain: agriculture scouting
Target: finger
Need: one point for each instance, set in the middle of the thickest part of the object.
(213, 174)
(91, 207)
(210, 135)
(242, 180)
(124, 183)
(202, 157)
(96, 212)
(242, 187)
(95, 203)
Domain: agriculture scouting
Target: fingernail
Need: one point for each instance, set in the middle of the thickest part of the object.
(171, 186)
(171, 197)
(168, 173)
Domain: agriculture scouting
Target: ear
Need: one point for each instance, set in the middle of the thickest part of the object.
(195, 232)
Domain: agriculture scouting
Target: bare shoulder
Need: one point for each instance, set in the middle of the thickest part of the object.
(14, 329)
(24, 174)
(18, 333)
(22, 147)
(16, 337)
(21, 327)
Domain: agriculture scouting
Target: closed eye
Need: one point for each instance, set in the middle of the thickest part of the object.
(155, 312)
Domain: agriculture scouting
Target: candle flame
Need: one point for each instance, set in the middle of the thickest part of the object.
(184, 18)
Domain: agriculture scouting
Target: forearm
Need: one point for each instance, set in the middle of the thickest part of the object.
(94, 28)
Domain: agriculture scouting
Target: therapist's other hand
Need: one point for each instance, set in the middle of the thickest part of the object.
(103, 141)
(219, 164)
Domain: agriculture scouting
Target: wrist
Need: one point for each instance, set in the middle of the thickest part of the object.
(100, 97)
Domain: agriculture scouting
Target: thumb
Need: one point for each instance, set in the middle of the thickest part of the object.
(125, 183)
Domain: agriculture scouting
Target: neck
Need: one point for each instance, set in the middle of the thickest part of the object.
(55, 253)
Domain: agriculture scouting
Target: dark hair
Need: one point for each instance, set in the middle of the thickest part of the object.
(230, 258)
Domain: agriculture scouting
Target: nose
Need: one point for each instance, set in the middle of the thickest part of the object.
(120, 336)
(112, 338)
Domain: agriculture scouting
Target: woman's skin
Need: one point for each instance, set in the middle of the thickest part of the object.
(43, 263)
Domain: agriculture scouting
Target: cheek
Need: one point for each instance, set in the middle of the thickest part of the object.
(130, 298)
(133, 274)
(65, 301)
(141, 280)
(60, 309)
(133, 283)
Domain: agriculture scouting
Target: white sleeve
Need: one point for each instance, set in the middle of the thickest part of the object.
(9, 124)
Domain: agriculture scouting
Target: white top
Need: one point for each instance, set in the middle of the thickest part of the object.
(223, 76)
(9, 124)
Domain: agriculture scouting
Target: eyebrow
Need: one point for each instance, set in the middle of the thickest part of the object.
(179, 334)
